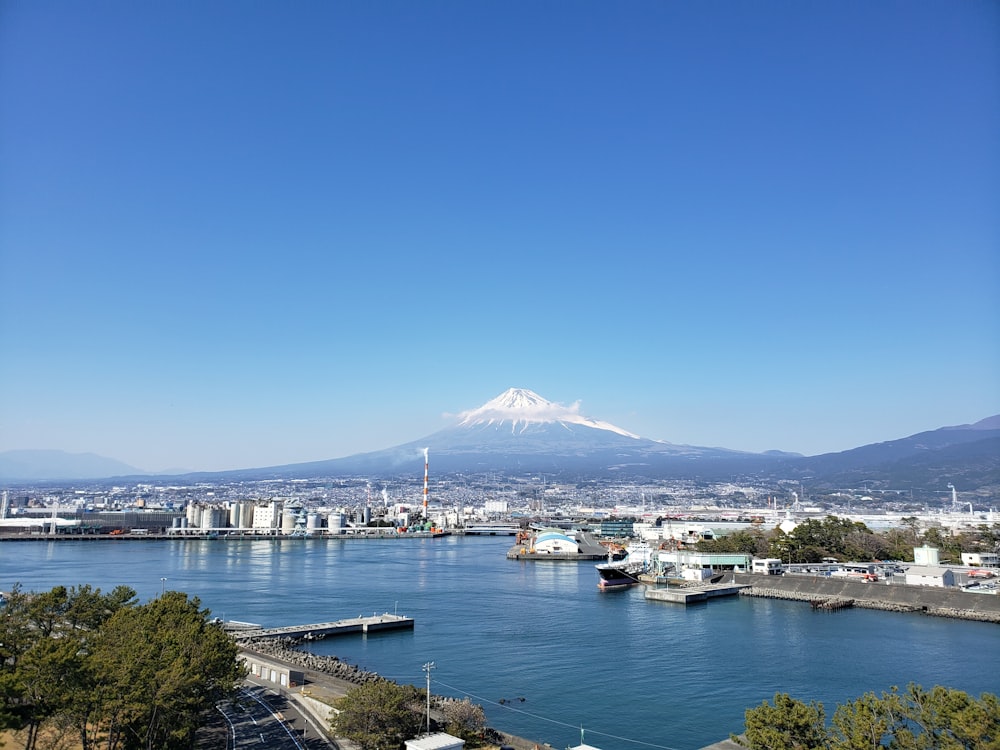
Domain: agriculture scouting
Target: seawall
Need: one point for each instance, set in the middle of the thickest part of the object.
(896, 597)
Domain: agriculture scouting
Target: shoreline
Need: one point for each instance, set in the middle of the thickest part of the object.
(332, 678)
(826, 594)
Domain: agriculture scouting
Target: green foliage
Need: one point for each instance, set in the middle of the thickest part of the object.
(787, 725)
(379, 715)
(133, 676)
(900, 543)
(914, 719)
(178, 665)
(812, 540)
(862, 723)
(949, 547)
(464, 719)
(744, 541)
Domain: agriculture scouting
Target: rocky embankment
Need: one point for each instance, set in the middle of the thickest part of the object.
(285, 650)
(871, 600)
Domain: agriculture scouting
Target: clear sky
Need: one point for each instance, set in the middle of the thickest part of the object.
(238, 234)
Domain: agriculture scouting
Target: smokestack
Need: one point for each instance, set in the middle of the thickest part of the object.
(425, 483)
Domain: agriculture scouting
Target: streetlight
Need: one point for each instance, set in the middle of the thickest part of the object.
(163, 585)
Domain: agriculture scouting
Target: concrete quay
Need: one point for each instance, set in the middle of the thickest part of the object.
(360, 624)
(693, 594)
(892, 597)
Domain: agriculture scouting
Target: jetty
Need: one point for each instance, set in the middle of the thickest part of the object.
(360, 624)
(693, 594)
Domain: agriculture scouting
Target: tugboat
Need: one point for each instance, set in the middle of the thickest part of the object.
(626, 572)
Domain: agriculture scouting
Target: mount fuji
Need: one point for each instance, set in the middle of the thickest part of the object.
(526, 411)
(519, 431)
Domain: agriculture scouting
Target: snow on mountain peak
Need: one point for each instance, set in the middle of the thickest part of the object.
(522, 407)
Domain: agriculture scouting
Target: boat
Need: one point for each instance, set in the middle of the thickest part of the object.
(625, 572)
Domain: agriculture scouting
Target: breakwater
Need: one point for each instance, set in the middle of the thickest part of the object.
(887, 597)
(288, 651)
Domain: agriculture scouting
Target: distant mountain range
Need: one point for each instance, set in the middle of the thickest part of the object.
(520, 432)
(46, 465)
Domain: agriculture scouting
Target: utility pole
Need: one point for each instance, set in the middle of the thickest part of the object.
(427, 668)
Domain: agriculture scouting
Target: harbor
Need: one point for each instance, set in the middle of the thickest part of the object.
(465, 598)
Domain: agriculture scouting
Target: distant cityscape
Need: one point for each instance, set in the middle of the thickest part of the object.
(345, 506)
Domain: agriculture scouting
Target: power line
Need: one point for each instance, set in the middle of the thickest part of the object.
(430, 665)
(551, 721)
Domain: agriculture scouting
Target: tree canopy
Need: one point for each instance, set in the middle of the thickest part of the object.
(123, 675)
(379, 715)
(813, 539)
(911, 719)
(465, 719)
(787, 725)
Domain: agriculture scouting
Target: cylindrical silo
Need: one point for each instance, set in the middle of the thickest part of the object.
(288, 520)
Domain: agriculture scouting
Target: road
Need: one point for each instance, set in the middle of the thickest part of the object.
(259, 719)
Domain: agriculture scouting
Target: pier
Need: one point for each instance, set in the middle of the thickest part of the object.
(692, 594)
(359, 624)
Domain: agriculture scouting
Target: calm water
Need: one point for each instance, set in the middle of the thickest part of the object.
(632, 673)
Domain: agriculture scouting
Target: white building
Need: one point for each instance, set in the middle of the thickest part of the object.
(981, 559)
(267, 516)
(496, 507)
(929, 575)
(767, 565)
(435, 741)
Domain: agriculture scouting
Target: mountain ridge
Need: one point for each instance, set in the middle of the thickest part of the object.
(520, 431)
(51, 465)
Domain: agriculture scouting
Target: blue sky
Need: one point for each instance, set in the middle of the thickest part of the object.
(241, 234)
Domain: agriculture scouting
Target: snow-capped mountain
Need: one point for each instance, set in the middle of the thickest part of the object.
(518, 409)
(520, 431)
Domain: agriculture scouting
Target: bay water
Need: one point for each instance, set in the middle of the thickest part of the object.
(548, 655)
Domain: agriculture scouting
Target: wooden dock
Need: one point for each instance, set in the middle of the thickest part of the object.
(693, 594)
(360, 624)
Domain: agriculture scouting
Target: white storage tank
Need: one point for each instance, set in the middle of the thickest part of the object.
(313, 523)
(288, 521)
(335, 523)
(925, 555)
(246, 514)
(213, 518)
